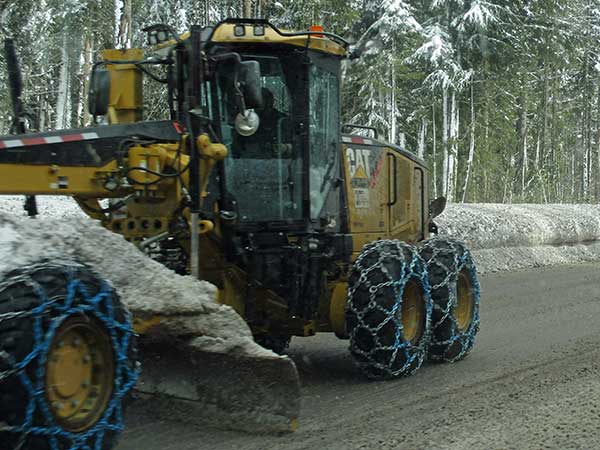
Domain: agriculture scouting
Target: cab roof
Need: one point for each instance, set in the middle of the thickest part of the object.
(259, 31)
(226, 32)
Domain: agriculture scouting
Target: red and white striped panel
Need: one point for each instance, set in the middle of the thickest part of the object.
(26, 142)
(356, 140)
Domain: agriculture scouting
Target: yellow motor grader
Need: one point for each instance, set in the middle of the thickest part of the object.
(304, 226)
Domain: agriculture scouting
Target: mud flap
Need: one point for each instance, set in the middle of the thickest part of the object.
(253, 394)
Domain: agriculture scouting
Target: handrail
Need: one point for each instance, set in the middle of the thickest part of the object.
(361, 127)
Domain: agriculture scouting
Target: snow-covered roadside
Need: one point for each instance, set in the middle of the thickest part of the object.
(509, 237)
(489, 225)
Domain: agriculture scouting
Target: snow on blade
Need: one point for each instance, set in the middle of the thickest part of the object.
(188, 306)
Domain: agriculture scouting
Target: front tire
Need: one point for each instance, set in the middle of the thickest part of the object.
(455, 293)
(67, 359)
(389, 310)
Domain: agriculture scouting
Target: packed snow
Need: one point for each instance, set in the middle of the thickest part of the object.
(508, 237)
(187, 307)
(488, 225)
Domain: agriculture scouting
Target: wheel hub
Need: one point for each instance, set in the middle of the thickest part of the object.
(79, 374)
(463, 312)
(413, 312)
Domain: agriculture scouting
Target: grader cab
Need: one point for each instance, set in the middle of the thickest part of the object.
(252, 184)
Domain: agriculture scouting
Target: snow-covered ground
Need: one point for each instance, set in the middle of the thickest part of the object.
(489, 225)
(508, 237)
(501, 237)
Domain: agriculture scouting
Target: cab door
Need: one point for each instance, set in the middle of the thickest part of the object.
(405, 202)
(367, 190)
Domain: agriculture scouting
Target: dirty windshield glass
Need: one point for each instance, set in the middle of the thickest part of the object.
(264, 170)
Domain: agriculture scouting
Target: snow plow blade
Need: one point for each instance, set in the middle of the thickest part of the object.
(247, 393)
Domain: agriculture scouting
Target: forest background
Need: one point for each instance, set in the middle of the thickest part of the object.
(501, 97)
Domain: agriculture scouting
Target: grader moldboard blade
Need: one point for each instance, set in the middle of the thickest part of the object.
(246, 393)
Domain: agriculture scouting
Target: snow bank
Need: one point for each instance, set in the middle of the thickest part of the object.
(507, 237)
(488, 225)
(187, 306)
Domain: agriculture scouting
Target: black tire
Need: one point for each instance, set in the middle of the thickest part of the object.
(37, 302)
(387, 277)
(455, 293)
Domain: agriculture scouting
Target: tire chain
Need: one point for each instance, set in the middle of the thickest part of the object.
(37, 403)
(460, 256)
(414, 269)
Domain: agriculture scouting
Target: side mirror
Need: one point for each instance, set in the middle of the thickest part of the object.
(98, 96)
(250, 84)
(355, 52)
(437, 207)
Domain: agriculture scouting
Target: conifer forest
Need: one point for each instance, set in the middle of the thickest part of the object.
(501, 97)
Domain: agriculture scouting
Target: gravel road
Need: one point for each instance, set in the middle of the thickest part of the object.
(532, 382)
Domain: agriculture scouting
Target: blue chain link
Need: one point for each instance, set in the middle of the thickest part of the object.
(462, 260)
(412, 267)
(125, 375)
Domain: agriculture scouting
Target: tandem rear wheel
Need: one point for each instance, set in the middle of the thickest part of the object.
(389, 310)
(455, 293)
(408, 303)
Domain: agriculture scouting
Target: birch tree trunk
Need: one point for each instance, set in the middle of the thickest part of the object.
(572, 175)
(247, 8)
(392, 136)
(554, 162)
(433, 151)
(471, 147)
(44, 112)
(543, 147)
(587, 132)
(422, 136)
(453, 153)
(445, 175)
(598, 144)
(125, 34)
(63, 104)
(584, 145)
(87, 68)
(523, 130)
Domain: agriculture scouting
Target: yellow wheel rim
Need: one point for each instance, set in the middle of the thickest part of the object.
(463, 312)
(80, 374)
(413, 312)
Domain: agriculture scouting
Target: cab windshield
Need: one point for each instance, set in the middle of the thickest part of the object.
(293, 152)
(264, 170)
